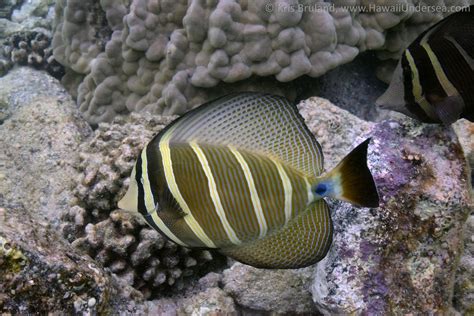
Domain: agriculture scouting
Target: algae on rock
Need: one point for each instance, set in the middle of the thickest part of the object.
(401, 257)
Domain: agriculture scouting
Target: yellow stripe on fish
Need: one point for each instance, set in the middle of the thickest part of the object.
(168, 169)
(442, 78)
(257, 207)
(151, 204)
(288, 189)
(417, 89)
(215, 194)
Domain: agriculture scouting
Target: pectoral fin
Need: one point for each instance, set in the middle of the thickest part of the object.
(449, 109)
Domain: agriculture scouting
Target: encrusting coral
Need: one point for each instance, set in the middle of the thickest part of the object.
(166, 55)
(117, 239)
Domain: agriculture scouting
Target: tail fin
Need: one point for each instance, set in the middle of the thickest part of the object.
(352, 179)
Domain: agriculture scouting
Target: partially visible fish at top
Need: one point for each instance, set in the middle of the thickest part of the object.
(243, 174)
(434, 79)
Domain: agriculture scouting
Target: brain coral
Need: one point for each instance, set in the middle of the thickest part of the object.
(119, 240)
(163, 56)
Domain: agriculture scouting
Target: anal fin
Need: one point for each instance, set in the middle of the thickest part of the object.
(304, 241)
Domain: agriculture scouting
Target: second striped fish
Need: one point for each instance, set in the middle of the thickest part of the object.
(243, 174)
(433, 81)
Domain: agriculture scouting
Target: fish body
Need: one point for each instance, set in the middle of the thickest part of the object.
(433, 81)
(242, 174)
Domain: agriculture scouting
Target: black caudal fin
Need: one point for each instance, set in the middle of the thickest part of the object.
(352, 179)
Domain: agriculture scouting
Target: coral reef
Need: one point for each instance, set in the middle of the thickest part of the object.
(29, 49)
(82, 28)
(399, 258)
(119, 240)
(25, 36)
(165, 58)
(402, 256)
(41, 272)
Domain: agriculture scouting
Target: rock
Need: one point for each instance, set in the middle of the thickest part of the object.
(39, 140)
(20, 16)
(41, 274)
(34, 9)
(23, 85)
(401, 257)
(465, 131)
(7, 8)
(278, 291)
(334, 128)
(213, 301)
(464, 285)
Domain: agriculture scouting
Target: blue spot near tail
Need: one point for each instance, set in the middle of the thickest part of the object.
(321, 189)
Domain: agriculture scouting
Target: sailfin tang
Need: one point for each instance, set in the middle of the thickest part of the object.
(351, 179)
(304, 241)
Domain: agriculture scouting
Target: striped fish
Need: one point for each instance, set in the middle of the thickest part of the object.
(242, 174)
(433, 81)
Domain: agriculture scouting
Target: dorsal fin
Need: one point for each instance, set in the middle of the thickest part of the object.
(255, 122)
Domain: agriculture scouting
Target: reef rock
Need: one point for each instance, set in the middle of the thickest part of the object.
(43, 274)
(278, 291)
(25, 35)
(213, 301)
(465, 131)
(19, 16)
(464, 286)
(401, 257)
(39, 137)
(165, 58)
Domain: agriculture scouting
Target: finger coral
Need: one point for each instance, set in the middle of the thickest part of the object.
(163, 56)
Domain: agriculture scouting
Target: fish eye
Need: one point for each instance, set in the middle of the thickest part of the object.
(321, 189)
